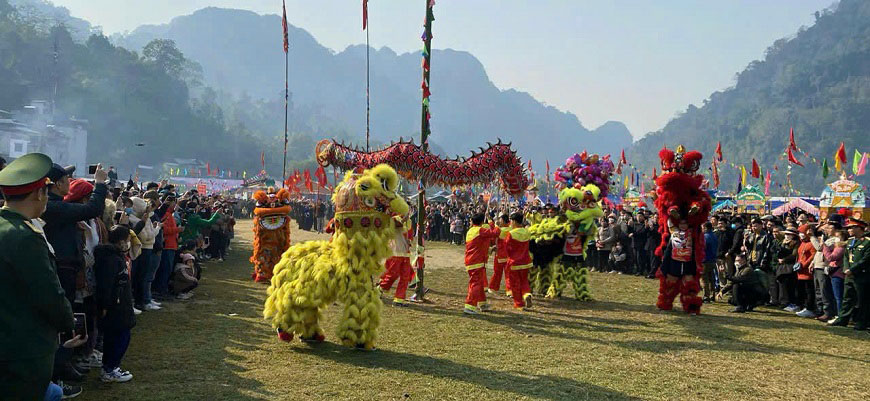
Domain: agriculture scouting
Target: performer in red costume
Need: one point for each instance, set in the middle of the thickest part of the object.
(683, 208)
(398, 266)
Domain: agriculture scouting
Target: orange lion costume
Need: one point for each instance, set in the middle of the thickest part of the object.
(271, 232)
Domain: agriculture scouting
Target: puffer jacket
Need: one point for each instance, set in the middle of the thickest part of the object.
(114, 293)
(170, 231)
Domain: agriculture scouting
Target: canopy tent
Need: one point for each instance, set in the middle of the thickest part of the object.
(728, 203)
(796, 203)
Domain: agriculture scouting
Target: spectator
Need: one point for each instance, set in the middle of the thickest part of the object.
(786, 275)
(834, 250)
(806, 254)
(711, 249)
(639, 235)
(113, 176)
(115, 302)
(747, 286)
(606, 239)
(184, 278)
(33, 305)
(618, 260)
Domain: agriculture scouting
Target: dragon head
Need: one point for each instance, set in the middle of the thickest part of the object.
(368, 199)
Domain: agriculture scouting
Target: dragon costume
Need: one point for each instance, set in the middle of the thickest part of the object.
(559, 243)
(271, 231)
(314, 274)
(680, 199)
(497, 161)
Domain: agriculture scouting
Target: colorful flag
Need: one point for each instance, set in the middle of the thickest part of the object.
(655, 175)
(622, 158)
(856, 160)
(862, 165)
(719, 151)
(548, 171)
(743, 176)
(207, 168)
(840, 157)
(756, 171)
(825, 168)
(284, 25)
(365, 14)
(263, 159)
(715, 174)
(767, 185)
(625, 184)
(321, 176)
(792, 159)
(791, 143)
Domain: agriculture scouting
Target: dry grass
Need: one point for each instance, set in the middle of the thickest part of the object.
(217, 347)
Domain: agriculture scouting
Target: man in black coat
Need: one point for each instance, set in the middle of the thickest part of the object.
(61, 223)
(639, 234)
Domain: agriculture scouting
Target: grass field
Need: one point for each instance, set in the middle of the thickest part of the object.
(217, 346)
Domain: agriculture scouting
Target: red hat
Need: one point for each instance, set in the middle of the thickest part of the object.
(78, 189)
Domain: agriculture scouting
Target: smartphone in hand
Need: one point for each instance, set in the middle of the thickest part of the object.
(92, 169)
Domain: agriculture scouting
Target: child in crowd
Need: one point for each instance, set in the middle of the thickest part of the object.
(618, 259)
(184, 278)
(114, 296)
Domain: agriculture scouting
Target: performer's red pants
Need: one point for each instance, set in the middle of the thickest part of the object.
(476, 285)
(519, 285)
(497, 271)
(397, 267)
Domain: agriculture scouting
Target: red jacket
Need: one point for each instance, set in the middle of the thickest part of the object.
(806, 253)
(519, 257)
(501, 254)
(170, 231)
(477, 245)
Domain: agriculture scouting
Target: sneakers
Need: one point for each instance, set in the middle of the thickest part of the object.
(136, 311)
(832, 320)
(527, 299)
(152, 307)
(185, 295)
(156, 303)
(116, 376)
(806, 313)
(791, 308)
(469, 310)
(69, 391)
(485, 307)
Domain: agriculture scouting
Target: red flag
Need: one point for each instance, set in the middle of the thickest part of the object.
(622, 158)
(207, 169)
(715, 175)
(841, 153)
(792, 159)
(756, 171)
(365, 13)
(263, 159)
(548, 171)
(791, 143)
(284, 25)
(307, 177)
(719, 151)
(655, 175)
(321, 176)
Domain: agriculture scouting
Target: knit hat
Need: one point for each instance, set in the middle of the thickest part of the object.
(78, 189)
(186, 257)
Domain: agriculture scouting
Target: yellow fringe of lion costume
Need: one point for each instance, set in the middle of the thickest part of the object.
(314, 274)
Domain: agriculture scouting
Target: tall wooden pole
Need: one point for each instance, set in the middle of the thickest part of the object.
(424, 137)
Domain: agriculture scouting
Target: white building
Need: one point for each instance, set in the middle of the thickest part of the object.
(34, 129)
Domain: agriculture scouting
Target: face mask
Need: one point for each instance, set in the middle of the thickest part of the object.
(129, 210)
(733, 226)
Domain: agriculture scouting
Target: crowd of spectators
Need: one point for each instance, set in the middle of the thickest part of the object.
(123, 250)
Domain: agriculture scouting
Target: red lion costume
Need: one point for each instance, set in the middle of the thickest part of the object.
(679, 197)
(271, 232)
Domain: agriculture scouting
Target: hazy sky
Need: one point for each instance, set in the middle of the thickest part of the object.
(636, 61)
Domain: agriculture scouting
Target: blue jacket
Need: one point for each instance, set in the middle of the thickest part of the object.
(711, 245)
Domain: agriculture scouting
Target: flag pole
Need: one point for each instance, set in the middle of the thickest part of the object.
(424, 135)
(368, 118)
(286, 91)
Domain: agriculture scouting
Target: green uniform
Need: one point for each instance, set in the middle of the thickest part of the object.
(33, 308)
(856, 287)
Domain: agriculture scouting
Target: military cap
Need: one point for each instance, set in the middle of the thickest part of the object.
(25, 174)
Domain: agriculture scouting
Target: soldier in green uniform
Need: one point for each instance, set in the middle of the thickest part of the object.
(856, 267)
(33, 308)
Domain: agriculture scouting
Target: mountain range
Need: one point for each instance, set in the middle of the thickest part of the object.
(817, 82)
(240, 53)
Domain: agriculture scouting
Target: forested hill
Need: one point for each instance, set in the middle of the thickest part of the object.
(127, 98)
(817, 82)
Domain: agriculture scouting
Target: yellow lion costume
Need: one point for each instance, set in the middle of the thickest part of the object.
(314, 274)
(567, 236)
(271, 232)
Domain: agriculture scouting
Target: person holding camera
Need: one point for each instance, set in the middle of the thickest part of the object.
(114, 296)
